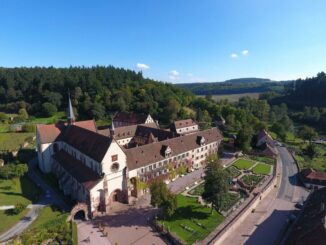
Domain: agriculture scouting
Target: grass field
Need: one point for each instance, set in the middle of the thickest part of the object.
(49, 120)
(243, 164)
(18, 190)
(191, 214)
(264, 159)
(233, 97)
(8, 221)
(252, 180)
(12, 141)
(261, 168)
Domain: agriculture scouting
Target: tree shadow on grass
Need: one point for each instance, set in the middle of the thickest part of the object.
(189, 212)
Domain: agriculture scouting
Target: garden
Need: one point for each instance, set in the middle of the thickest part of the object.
(251, 179)
(191, 221)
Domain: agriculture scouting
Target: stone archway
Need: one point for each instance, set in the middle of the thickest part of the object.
(116, 196)
(77, 208)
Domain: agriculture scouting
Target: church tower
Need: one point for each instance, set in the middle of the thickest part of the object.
(70, 114)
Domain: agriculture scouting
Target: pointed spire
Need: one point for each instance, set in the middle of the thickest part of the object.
(112, 128)
(71, 115)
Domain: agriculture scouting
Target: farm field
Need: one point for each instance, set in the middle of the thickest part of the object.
(195, 217)
(12, 141)
(233, 97)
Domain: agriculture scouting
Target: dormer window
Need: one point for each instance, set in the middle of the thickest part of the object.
(166, 151)
(201, 140)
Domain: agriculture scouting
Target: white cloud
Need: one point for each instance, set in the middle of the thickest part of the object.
(234, 56)
(190, 75)
(174, 75)
(142, 66)
(245, 52)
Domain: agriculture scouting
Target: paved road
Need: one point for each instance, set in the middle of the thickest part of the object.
(51, 198)
(270, 218)
(24, 222)
(180, 184)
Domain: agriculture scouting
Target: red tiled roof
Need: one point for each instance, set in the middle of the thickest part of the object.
(142, 155)
(184, 123)
(130, 117)
(88, 142)
(77, 170)
(48, 133)
(311, 174)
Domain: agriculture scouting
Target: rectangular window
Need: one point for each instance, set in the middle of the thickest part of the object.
(114, 158)
(183, 155)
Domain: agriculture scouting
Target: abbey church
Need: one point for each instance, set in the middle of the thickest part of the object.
(102, 166)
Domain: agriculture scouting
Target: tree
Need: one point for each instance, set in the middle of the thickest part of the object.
(162, 197)
(244, 138)
(3, 117)
(216, 183)
(307, 133)
(159, 192)
(23, 114)
(49, 109)
(169, 205)
(310, 151)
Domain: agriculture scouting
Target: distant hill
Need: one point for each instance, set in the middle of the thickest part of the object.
(235, 86)
(248, 80)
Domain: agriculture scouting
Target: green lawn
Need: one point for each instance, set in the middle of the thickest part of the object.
(191, 214)
(243, 164)
(261, 168)
(48, 120)
(252, 180)
(4, 127)
(18, 190)
(8, 221)
(263, 159)
(12, 141)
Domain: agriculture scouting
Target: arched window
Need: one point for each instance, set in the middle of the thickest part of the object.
(115, 167)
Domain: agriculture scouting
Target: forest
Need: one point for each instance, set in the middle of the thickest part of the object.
(97, 92)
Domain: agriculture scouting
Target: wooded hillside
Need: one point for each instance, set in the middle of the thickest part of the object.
(96, 92)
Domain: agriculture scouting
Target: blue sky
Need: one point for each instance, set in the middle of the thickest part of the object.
(170, 40)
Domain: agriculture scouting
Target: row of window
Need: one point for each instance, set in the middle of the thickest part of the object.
(176, 158)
